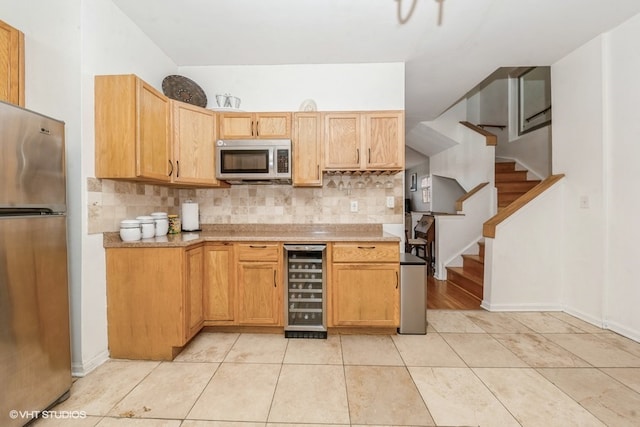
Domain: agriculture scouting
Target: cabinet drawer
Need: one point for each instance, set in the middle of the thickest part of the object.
(366, 252)
(258, 252)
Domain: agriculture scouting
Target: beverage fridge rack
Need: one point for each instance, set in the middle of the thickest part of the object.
(305, 307)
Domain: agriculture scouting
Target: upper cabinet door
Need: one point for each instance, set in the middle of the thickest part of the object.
(236, 126)
(194, 137)
(384, 140)
(255, 126)
(273, 125)
(342, 141)
(307, 149)
(153, 160)
(11, 65)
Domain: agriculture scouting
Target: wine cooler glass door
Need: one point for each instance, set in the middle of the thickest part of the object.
(305, 287)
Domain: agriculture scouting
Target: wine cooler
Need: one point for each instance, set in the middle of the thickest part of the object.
(305, 308)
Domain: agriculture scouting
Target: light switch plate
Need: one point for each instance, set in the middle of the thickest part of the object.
(390, 202)
(354, 206)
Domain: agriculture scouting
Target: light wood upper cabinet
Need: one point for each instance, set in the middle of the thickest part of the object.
(365, 284)
(384, 140)
(307, 149)
(364, 141)
(132, 130)
(219, 284)
(254, 126)
(259, 289)
(342, 141)
(11, 65)
(194, 137)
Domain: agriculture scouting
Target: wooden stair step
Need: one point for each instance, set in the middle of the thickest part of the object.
(474, 265)
(481, 250)
(505, 166)
(469, 283)
(511, 176)
(515, 186)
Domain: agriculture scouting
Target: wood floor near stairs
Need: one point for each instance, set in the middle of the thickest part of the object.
(444, 295)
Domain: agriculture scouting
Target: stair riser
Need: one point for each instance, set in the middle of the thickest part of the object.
(509, 197)
(468, 285)
(511, 176)
(505, 166)
(473, 267)
(481, 250)
(516, 186)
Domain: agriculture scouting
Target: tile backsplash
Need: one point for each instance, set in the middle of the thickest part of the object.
(110, 201)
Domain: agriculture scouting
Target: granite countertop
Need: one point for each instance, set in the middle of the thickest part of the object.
(296, 233)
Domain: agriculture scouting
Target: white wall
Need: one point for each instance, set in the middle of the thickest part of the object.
(333, 87)
(523, 264)
(622, 155)
(578, 152)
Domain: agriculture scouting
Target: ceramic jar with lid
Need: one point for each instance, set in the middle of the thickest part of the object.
(148, 226)
(130, 230)
(162, 223)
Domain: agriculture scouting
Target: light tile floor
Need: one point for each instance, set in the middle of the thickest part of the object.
(473, 368)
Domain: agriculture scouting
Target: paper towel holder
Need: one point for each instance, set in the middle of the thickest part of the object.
(187, 221)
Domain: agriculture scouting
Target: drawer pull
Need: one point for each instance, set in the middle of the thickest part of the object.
(366, 247)
(258, 246)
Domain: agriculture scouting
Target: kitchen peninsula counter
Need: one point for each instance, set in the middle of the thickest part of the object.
(261, 233)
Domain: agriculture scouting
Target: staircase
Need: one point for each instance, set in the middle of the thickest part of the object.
(510, 184)
(471, 275)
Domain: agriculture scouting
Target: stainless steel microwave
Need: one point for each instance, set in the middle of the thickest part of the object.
(246, 161)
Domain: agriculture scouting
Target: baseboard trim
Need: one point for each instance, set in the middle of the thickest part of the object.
(82, 369)
(584, 316)
(520, 307)
(623, 330)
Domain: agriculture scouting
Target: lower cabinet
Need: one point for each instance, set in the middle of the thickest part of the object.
(365, 284)
(259, 284)
(154, 300)
(219, 284)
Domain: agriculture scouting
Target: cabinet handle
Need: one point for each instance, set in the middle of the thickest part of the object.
(177, 168)
(369, 156)
(258, 246)
(318, 172)
(275, 285)
(257, 128)
(252, 128)
(397, 280)
(171, 171)
(357, 155)
(366, 247)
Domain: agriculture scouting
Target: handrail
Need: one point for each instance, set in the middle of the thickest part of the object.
(483, 125)
(539, 113)
(468, 195)
(489, 227)
(491, 138)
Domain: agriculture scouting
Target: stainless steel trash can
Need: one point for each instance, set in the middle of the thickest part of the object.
(413, 295)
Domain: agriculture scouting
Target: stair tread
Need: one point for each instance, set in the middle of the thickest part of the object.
(475, 257)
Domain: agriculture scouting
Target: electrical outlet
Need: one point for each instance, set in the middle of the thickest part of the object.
(354, 206)
(391, 202)
(584, 202)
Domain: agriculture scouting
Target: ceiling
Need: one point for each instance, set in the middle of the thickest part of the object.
(445, 55)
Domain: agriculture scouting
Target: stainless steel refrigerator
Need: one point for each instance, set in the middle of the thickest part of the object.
(35, 362)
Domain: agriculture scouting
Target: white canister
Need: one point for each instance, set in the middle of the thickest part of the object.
(148, 226)
(162, 223)
(130, 230)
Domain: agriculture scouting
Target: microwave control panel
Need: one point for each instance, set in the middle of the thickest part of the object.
(282, 160)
